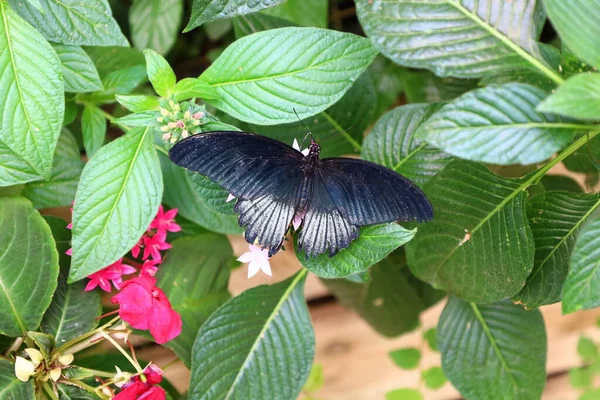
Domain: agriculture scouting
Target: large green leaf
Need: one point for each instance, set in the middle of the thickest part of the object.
(79, 72)
(245, 25)
(119, 194)
(498, 125)
(579, 97)
(578, 25)
(204, 11)
(32, 105)
(28, 266)
(391, 301)
(10, 387)
(66, 169)
(93, 129)
(258, 345)
(78, 22)
(555, 219)
(453, 38)
(582, 287)
(155, 23)
(479, 245)
(262, 78)
(303, 12)
(194, 276)
(111, 59)
(498, 348)
(391, 143)
(374, 243)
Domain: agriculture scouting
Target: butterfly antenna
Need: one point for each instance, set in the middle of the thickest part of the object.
(307, 131)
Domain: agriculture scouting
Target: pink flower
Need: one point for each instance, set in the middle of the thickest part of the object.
(144, 306)
(296, 146)
(135, 389)
(135, 250)
(149, 267)
(153, 245)
(112, 273)
(297, 221)
(69, 252)
(165, 221)
(258, 259)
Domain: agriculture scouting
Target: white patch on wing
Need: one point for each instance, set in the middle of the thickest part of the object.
(325, 230)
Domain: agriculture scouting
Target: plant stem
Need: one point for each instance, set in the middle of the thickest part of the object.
(14, 346)
(127, 356)
(50, 391)
(64, 347)
(161, 149)
(82, 385)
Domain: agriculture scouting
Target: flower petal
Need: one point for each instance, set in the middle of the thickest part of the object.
(155, 393)
(165, 323)
(23, 369)
(135, 304)
(246, 257)
(253, 269)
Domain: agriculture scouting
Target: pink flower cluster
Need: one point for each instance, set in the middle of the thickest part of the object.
(137, 389)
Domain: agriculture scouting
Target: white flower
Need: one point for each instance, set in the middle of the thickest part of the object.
(297, 221)
(257, 259)
(25, 368)
(229, 198)
(297, 147)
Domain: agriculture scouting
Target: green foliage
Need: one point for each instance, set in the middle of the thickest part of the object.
(406, 358)
(204, 11)
(12, 388)
(587, 349)
(154, 24)
(302, 12)
(579, 98)
(431, 337)
(404, 394)
(79, 72)
(434, 377)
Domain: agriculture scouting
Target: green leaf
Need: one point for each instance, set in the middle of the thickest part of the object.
(581, 290)
(389, 82)
(245, 25)
(111, 59)
(374, 243)
(122, 81)
(392, 143)
(93, 129)
(12, 388)
(77, 22)
(587, 350)
(303, 12)
(119, 194)
(434, 378)
(499, 125)
(204, 11)
(28, 266)
(217, 30)
(197, 198)
(138, 103)
(431, 337)
(194, 276)
(408, 358)
(60, 189)
(160, 73)
(32, 106)
(71, 110)
(578, 25)
(194, 87)
(155, 24)
(142, 118)
(391, 300)
(315, 380)
(79, 72)
(460, 251)
(263, 77)
(404, 394)
(44, 342)
(580, 378)
(453, 38)
(425, 87)
(497, 348)
(579, 98)
(259, 344)
(68, 392)
(560, 182)
(554, 242)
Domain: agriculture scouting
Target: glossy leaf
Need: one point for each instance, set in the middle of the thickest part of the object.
(392, 143)
(555, 219)
(194, 87)
(79, 72)
(32, 105)
(306, 69)
(406, 358)
(76, 22)
(204, 11)
(138, 103)
(581, 290)
(259, 344)
(160, 73)
(194, 276)
(155, 24)
(498, 348)
(245, 25)
(452, 38)
(460, 251)
(499, 125)
(28, 266)
(12, 388)
(119, 194)
(93, 129)
(60, 189)
(579, 97)
(303, 12)
(578, 25)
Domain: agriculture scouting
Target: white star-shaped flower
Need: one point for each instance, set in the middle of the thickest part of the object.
(296, 145)
(257, 259)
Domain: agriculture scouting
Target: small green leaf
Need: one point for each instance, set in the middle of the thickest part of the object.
(264, 77)
(587, 349)
(374, 243)
(93, 129)
(499, 125)
(434, 378)
(44, 342)
(68, 392)
(431, 337)
(142, 118)
(155, 23)
(204, 11)
(245, 25)
(12, 388)
(79, 72)
(194, 87)
(239, 351)
(499, 348)
(579, 97)
(580, 378)
(76, 22)
(315, 380)
(581, 290)
(138, 103)
(408, 358)
(119, 194)
(122, 81)
(28, 266)
(303, 12)
(160, 73)
(112, 58)
(71, 110)
(404, 394)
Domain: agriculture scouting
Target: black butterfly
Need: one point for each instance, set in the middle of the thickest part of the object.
(273, 182)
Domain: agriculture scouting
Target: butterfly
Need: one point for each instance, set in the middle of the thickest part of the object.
(274, 182)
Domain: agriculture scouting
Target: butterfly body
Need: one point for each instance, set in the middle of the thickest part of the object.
(274, 182)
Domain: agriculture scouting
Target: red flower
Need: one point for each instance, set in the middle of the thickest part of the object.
(149, 267)
(153, 244)
(165, 221)
(144, 306)
(112, 273)
(135, 389)
(135, 250)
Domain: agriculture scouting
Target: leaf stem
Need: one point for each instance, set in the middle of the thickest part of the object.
(64, 347)
(162, 150)
(341, 130)
(48, 389)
